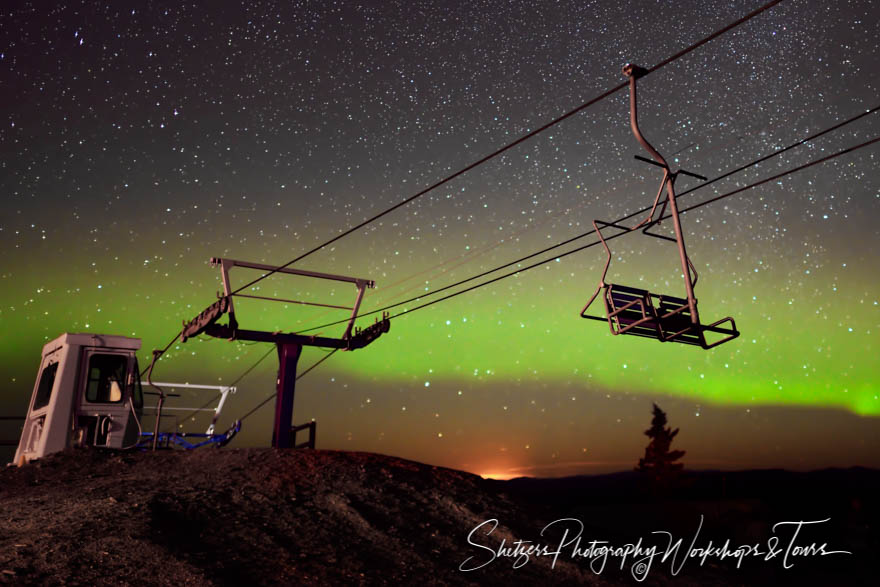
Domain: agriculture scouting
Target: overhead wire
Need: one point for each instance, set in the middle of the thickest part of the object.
(160, 353)
(449, 264)
(497, 152)
(664, 217)
(779, 175)
(707, 183)
(594, 243)
(254, 366)
(238, 380)
(492, 155)
(386, 295)
(298, 377)
(589, 245)
(516, 142)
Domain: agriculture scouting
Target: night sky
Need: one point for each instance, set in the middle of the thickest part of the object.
(140, 139)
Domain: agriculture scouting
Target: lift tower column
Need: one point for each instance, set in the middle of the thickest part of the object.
(288, 356)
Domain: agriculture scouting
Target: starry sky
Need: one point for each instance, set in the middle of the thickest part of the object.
(140, 139)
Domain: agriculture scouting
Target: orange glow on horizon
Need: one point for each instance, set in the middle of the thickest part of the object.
(499, 475)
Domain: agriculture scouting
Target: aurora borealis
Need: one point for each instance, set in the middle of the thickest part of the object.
(141, 139)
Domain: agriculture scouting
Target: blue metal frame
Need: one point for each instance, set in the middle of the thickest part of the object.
(168, 439)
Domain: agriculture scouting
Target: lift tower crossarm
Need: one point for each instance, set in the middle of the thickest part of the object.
(227, 264)
(361, 338)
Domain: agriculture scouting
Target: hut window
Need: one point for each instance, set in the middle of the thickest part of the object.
(47, 382)
(106, 378)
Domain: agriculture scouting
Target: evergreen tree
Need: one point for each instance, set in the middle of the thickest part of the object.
(659, 460)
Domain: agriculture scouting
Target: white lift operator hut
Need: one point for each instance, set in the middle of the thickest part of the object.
(87, 393)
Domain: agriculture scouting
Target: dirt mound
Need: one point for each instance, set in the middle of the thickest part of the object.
(258, 516)
(269, 517)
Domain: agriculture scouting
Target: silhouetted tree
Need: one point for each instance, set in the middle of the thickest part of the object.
(659, 461)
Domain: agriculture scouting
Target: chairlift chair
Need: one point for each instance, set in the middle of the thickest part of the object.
(639, 312)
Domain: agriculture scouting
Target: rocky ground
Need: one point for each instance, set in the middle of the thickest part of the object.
(264, 516)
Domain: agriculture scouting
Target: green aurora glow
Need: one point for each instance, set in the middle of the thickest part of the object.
(126, 168)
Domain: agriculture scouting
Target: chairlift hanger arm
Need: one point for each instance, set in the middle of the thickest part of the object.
(633, 72)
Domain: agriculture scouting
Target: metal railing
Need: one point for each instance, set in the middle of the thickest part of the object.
(312, 428)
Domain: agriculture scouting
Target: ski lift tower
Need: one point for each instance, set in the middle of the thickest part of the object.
(289, 345)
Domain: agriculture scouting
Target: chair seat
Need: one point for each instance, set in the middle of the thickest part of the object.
(638, 312)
